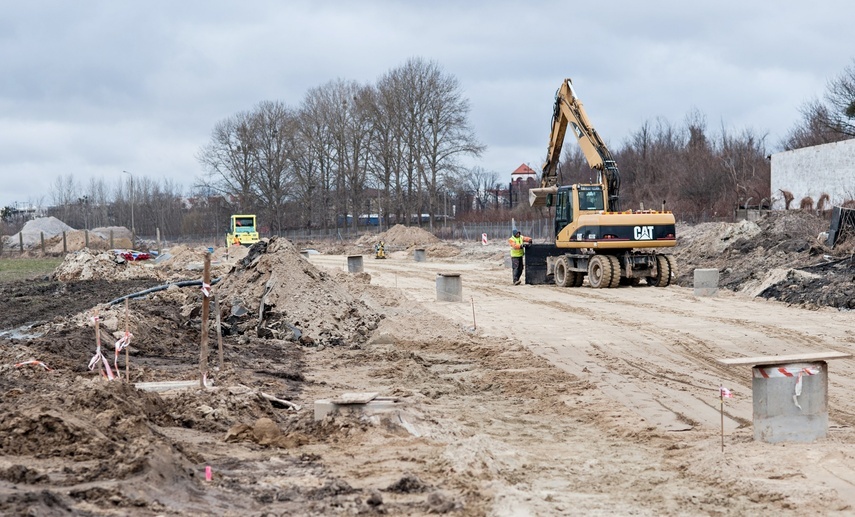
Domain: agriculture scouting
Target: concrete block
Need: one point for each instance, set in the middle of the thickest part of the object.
(706, 282)
(449, 287)
(354, 264)
(325, 407)
(790, 402)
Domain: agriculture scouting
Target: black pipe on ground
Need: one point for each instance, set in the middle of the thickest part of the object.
(183, 283)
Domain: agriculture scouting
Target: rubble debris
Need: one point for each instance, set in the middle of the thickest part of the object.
(87, 264)
(286, 297)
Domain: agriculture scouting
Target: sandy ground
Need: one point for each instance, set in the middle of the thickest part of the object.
(638, 430)
(518, 400)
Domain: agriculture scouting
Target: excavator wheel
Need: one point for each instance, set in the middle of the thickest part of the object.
(601, 272)
(663, 275)
(615, 271)
(563, 276)
(672, 266)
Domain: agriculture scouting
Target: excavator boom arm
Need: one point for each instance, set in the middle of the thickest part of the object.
(569, 112)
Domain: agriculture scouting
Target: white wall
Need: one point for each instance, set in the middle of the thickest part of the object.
(813, 171)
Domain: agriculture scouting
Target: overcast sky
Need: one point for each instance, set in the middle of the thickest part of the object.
(93, 88)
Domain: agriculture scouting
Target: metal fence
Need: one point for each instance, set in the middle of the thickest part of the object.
(539, 230)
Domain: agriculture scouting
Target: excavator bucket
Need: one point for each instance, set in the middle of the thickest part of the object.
(538, 196)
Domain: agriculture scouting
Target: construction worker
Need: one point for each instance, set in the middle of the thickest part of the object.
(380, 250)
(518, 244)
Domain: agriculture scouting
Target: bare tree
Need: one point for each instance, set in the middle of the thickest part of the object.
(384, 157)
(64, 192)
(480, 183)
(830, 121)
(317, 166)
(273, 124)
(448, 135)
(229, 160)
(840, 96)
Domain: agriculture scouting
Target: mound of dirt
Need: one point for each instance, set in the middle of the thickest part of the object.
(78, 239)
(87, 264)
(400, 236)
(33, 230)
(181, 258)
(779, 256)
(276, 293)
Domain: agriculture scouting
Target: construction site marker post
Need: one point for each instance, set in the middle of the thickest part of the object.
(127, 331)
(721, 412)
(219, 331)
(206, 291)
(98, 340)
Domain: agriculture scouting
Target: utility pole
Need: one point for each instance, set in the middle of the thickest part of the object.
(133, 228)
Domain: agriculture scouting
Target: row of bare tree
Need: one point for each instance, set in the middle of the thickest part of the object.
(394, 148)
(698, 175)
(391, 148)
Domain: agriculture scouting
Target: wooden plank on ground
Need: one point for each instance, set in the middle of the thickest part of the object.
(355, 398)
(783, 359)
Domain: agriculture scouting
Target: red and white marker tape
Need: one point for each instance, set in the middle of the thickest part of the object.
(37, 363)
(206, 290)
(99, 358)
(121, 344)
(792, 370)
(796, 371)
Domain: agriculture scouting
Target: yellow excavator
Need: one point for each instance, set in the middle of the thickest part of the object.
(593, 237)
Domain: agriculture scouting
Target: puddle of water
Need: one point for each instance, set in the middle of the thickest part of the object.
(22, 332)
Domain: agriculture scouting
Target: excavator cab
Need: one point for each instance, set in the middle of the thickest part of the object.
(591, 198)
(563, 202)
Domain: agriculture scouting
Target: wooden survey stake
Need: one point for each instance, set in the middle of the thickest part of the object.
(206, 291)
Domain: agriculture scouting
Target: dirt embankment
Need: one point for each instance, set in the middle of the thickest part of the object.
(782, 256)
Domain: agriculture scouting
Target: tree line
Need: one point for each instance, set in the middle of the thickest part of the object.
(394, 148)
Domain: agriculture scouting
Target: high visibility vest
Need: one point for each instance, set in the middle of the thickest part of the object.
(516, 246)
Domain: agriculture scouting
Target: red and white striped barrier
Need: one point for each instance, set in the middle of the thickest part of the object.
(790, 370)
(484, 239)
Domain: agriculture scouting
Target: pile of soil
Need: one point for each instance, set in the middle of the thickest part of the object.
(400, 236)
(781, 256)
(70, 442)
(275, 292)
(34, 229)
(77, 240)
(88, 264)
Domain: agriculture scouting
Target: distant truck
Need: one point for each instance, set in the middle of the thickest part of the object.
(242, 231)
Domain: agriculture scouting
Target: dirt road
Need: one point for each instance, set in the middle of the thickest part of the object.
(651, 416)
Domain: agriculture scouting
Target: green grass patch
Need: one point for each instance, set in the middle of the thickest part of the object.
(12, 269)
